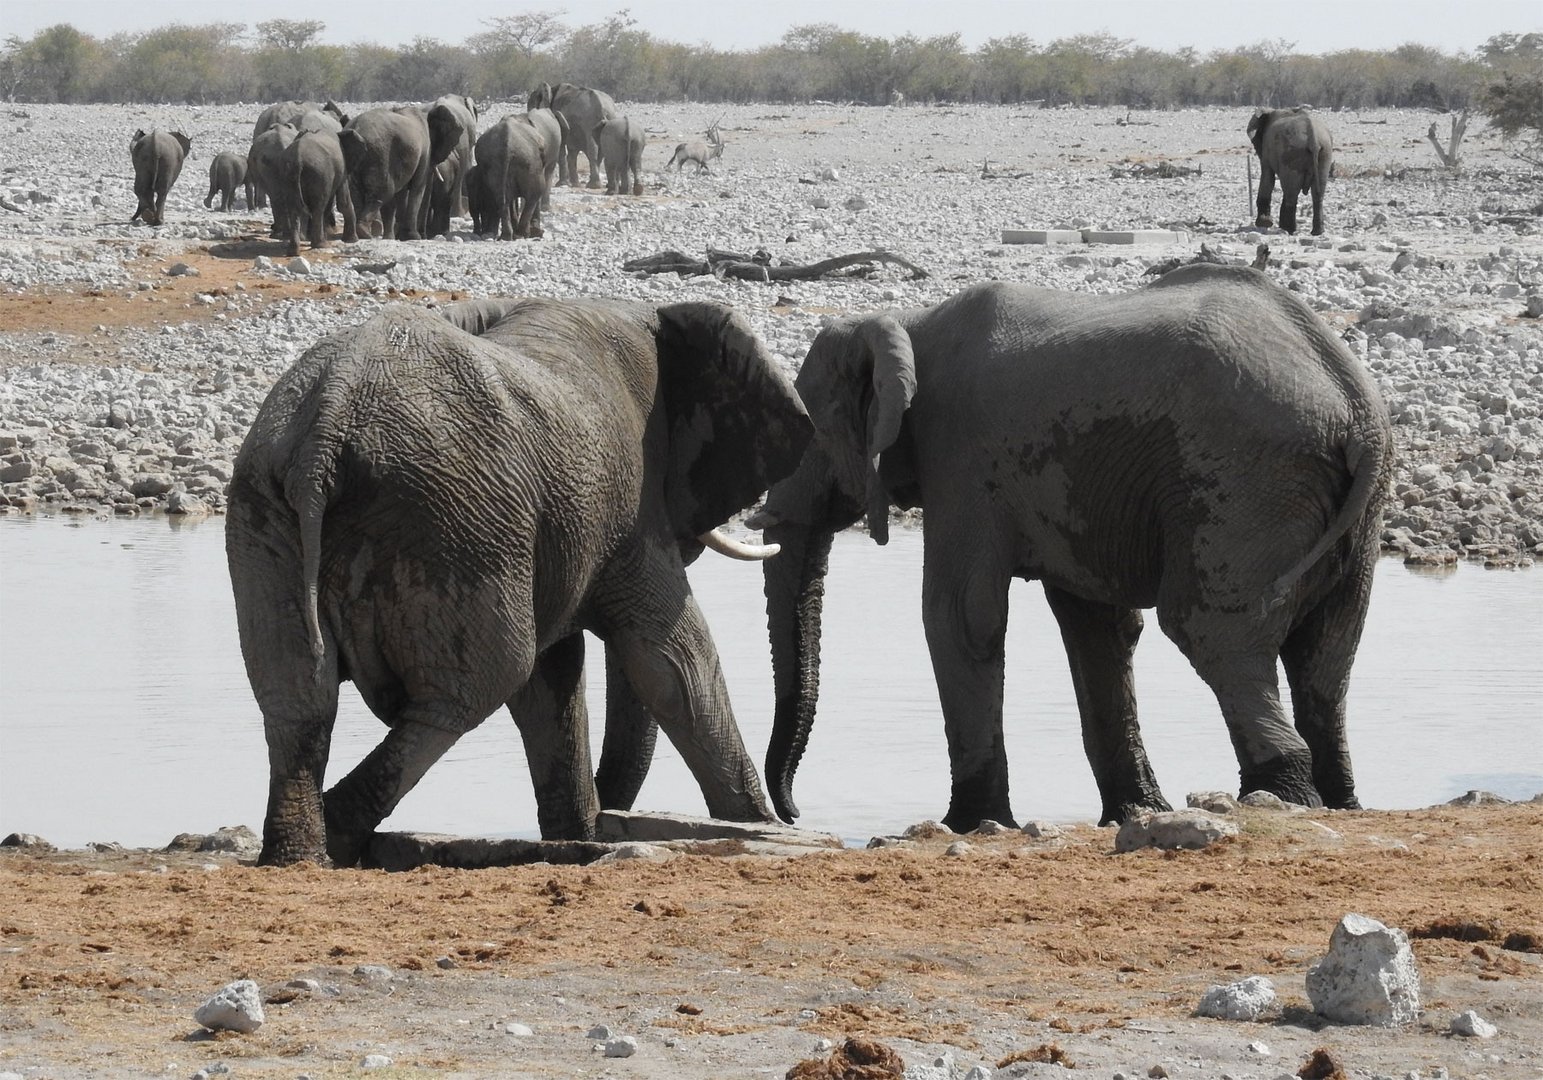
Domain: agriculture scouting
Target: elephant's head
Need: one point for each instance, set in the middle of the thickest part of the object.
(183, 141)
(540, 97)
(857, 383)
(336, 111)
(134, 138)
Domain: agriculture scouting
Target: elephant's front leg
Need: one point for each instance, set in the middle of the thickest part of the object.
(1290, 189)
(964, 612)
(553, 719)
(365, 797)
(644, 608)
(1100, 640)
(1263, 220)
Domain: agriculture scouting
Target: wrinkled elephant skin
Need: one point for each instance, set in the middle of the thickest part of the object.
(1204, 445)
(434, 505)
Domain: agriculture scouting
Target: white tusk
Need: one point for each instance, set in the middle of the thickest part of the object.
(737, 549)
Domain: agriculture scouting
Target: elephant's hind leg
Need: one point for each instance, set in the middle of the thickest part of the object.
(1235, 655)
(553, 719)
(419, 736)
(1317, 656)
(1100, 640)
(630, 737)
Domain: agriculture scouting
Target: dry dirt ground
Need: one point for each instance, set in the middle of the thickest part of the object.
(738, 966)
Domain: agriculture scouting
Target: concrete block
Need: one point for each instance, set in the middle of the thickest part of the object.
(1132, 236)
(1041, 236)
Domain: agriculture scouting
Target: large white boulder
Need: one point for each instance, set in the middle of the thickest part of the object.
(1368, 976)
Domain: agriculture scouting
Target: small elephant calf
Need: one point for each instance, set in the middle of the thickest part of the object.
(227, 172)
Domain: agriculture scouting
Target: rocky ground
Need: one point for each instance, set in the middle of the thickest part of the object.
(134, 358)
(977, 958)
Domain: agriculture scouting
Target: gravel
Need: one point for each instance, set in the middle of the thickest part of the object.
(1428, 276)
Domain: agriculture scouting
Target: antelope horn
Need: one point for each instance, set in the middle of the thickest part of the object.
(737, 549)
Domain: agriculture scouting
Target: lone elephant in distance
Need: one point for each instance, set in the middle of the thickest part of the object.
(434, 506)
(1296, 146)
(1204, 445)
(157, 159)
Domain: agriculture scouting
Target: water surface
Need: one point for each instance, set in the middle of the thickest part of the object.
(125, 713)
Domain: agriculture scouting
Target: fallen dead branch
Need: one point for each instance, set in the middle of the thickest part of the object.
(988, 173)
(1163, 170)
(757, 267)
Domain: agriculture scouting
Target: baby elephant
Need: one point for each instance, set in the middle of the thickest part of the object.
(227, 172)
(157, 159)
(620, 144)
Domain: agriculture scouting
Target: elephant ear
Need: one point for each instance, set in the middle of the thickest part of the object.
(540, 97)
(354, 148)
(1256, 125)
(444, 133)
(735, 423)
(184, 141)
(858, 381)
(134, 138)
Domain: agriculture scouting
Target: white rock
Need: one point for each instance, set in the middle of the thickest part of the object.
(376, 1061)
(237, 1007)
(1246, 999)
(1367, 977)
(599, 1033)
(519, 1031)
(1471, 1025)
(623, 1047)
(1175, 829)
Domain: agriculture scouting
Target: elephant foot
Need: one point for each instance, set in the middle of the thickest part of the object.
(594, 185)
(1317, 230)
(1288, 777)
(535, 233)
(967, 821)
(1264, 221)
(1121, 812)
(637, 189)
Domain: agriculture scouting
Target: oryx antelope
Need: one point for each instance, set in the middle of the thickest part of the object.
(700, 151)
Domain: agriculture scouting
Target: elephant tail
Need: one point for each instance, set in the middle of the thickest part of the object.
(1368, 459)
(309, 493)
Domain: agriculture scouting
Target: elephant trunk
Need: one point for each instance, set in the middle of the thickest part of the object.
(795, 596)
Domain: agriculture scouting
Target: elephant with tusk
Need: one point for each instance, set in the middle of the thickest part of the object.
(436, 505)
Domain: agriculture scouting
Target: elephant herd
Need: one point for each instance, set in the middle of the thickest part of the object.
(405, 172)
(436, 504)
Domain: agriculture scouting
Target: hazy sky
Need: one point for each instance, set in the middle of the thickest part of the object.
(1315, 26)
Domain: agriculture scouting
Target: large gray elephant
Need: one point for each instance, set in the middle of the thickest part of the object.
(314, 179)
(434, 505)
(391, 154)
(157, 159)
(303, 116)
(264, 168)
(227, 172)
(554, 132)
(509, 181)
(620, 143)
(1204, 445)
(447, 185)
(581, 108)
(1296, 146)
